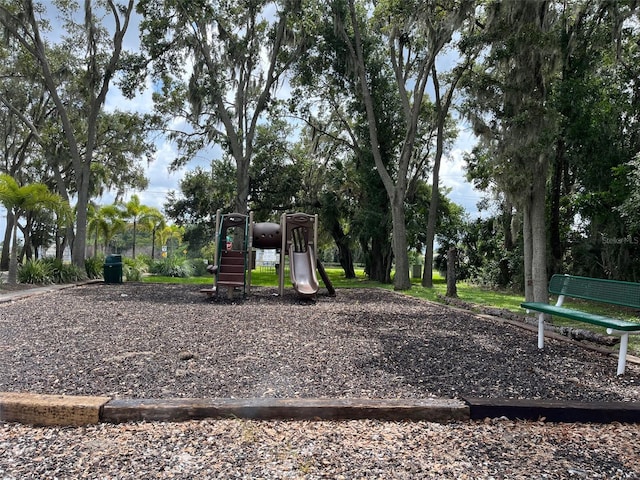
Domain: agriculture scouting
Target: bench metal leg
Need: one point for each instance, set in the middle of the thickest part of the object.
(541, 330)
(624, 344)
(622, 355)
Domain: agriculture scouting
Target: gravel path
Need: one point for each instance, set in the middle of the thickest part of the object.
(141, 340)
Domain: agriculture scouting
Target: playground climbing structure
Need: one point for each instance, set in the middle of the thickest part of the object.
(295, 237)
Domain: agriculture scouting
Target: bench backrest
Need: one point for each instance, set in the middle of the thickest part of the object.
(614, 292)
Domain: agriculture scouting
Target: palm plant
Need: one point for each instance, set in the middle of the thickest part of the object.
(104, 221)
(22, 201)
(170, 232)
(96, 223)
(152, 221)
(115, 223)
(135, 211)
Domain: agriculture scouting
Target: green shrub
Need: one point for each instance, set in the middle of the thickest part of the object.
(94, 267)
(61, 272)
(134, 269)
(145, 259)
(198, 267)
(34, 272)
(209, 252)
(71, 273)
(173, 266)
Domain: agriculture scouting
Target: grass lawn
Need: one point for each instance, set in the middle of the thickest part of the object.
(467, 292)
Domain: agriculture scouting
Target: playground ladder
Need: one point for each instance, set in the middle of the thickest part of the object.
(232, 264)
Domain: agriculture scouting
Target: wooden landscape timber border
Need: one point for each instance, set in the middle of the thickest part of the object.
(36, 409)
(554, 410)
(63, 410)
(433, 410)
(49, 410)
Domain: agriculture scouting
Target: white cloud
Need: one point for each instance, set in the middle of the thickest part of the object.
(162, 178)
(452, 175)
(142, 103)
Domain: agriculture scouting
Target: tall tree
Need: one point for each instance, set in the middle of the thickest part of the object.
(170, 233)
(23, 21)
(554, 106)
(512, 115)
(236, 53)
(351, 198)
(152, 221)
(443, 91)
(596, 97)
(135, 211)
(105, 222)
(24, 109)
(276, 171)
(414, 35)
(630, 208)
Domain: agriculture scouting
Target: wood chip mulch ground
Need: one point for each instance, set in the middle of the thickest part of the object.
(159, 341)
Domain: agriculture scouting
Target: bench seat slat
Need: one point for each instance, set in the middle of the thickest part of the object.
(616, 324)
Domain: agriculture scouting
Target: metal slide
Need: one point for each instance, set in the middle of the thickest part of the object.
(302, 267)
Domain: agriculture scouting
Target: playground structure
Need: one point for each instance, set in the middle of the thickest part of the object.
(295, 237)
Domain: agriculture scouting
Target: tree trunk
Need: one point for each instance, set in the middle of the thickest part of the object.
(527, 236)
(535, 242)
(452, 290)
(427, 273)
(396, 191)
(241, 199)
(79, 245)
(402, 279)
(377, 260)
(344, 250)
(506, 220)
(539, 243)
(443, 111)
(12, 277)
(388, 263)
(63, 241)
(27, 246)
(6, 244)
(555, 239)
(346, 258)
(242, 180)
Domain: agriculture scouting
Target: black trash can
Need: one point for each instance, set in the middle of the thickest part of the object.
(113, 269)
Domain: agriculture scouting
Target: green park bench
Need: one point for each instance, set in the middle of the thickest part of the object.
(613, 292)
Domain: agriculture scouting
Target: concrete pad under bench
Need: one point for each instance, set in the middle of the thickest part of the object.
(167, 410)
(49, 410)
